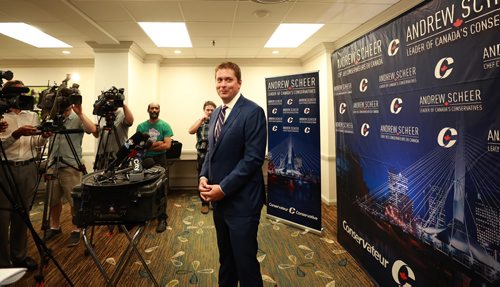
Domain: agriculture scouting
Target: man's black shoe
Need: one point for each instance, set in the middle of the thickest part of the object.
(28, 263)
(74, 238)
(51, 233)
(162, 225)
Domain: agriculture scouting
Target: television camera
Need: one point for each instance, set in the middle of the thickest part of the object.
(109, 101)
(54, 101)
(13, 97)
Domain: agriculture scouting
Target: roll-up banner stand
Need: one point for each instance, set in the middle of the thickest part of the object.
(294, 182)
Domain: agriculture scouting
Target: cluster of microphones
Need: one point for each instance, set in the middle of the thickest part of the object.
(129, 160)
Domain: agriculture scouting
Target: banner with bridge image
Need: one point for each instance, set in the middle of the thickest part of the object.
(294, 183)
(417, 124)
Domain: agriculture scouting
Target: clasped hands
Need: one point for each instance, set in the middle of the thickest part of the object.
(210, 192)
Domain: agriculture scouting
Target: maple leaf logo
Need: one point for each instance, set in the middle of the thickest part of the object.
(458, 23)
(403, 276)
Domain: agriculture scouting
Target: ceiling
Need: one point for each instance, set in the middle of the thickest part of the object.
(218, 28)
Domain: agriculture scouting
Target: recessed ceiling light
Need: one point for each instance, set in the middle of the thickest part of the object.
(167, 34)
(275, 52)
(291, 35)
(66, 52)
(177, 52)
(269, 1)
(31, 35)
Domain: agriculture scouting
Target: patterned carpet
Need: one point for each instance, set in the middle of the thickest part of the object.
(186, 254)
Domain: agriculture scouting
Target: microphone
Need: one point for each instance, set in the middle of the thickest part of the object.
(146, 164)
(128, 150)
(138, 167)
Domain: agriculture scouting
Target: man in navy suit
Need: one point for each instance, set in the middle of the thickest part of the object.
(231, 178)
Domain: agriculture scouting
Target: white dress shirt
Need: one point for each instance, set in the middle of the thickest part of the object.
(23, 148)
(230, 106)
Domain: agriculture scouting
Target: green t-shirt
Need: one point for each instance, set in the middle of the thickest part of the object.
(157, 132)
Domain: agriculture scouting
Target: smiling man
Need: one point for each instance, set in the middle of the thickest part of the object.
(231, 178)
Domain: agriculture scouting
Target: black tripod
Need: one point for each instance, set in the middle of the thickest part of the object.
(13, 195)
(103, 158)
(57, 162)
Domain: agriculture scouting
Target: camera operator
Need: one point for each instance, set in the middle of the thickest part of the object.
(64, 163)
(19, 141)
(200, 128)
(113, 131)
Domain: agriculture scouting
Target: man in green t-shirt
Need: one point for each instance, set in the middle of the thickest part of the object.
(160, 133)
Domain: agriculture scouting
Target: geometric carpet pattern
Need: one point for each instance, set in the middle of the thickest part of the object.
(186, 253)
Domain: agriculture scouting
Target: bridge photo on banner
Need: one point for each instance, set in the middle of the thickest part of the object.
(294, 183)
(417, 105)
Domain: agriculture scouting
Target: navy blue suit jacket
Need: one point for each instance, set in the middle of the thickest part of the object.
(235, 161)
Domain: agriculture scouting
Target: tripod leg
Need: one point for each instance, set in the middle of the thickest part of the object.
(22, 213)
(49, 183)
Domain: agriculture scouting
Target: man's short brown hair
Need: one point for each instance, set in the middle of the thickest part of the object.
(209, 103)
(231, 66)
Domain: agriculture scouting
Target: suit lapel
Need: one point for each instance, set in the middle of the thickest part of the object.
(228, 123)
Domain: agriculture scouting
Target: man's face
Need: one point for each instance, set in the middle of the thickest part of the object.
(209, 110)
(67, 111)
(226, 84)
(154, 111)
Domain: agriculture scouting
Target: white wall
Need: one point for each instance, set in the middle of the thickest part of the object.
(142, 88)
(184, 89)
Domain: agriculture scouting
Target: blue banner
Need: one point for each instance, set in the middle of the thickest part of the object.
(417, 107)
(294, 183)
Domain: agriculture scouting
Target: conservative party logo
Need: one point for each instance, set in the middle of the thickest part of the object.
(402, 274)
(365, 129)
(443, 68)
(393, 48)
(363, 85)
(446, 137)
(396, 105)
(342, 108)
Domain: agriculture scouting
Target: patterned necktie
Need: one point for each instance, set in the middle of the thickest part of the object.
(220, 122)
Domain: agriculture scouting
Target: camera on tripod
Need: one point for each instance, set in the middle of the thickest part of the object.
(54, 101)
(109, 101)
(13, 97)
